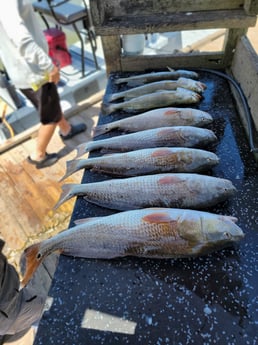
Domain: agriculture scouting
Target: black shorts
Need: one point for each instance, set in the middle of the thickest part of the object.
(46, 100)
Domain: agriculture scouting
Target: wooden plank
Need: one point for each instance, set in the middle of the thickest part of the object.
(193, 60)
(176, 22)
(14, 208)
(232, 37)
(113, 9)
(245, 71)
(20, 223)
(251, 6)
(25, 187)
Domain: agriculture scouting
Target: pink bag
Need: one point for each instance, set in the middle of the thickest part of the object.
(58, 50)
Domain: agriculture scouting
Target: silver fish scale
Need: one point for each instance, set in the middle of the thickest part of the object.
(154, 232)
(161, 117)
(184, 136)
(153, 160)
(160, 190)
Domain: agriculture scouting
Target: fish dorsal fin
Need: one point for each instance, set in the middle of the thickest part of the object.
(86, 220)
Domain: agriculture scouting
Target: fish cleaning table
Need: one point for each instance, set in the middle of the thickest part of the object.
(205, 300)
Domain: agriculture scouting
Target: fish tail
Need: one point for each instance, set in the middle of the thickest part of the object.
(99, 130)
(71, 167)
(33, 260)
(67, 193)
(120, 80)
(82, 149)
(113, 97)
(107, 108)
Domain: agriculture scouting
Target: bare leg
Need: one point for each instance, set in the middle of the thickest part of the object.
(45, 133)
(64, 126)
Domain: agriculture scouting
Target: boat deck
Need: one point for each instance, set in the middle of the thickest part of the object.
(28, 195)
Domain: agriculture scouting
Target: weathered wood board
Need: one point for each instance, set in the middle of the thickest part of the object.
(245, 70)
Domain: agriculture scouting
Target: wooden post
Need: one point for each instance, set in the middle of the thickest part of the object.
(251, 6)
(231, 39)
(112, 52)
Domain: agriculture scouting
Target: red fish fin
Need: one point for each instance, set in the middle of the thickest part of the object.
(33, 260)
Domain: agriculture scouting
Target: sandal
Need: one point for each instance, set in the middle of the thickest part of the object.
(75, 129)
(50, 159)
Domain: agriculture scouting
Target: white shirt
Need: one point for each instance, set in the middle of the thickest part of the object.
(23, 47)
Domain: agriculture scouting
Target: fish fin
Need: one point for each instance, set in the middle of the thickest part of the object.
(170, 69)
(33, 260)
(114, 96)
(82, 149)
(71, 167)
(99, 130)
(135, 83)
(65, 195)
(85, 220)
(231, 218)
(107, 108)
(120, 80)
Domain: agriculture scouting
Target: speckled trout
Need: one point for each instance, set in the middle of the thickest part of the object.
(156, 118)
(151, 233)
(160, 190)
(146, 161)
(177, 136)
(153, 100)
(155, 76)
(185, 83)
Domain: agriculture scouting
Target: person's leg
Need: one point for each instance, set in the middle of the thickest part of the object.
(45, 134)
(64, 126)
(47, 102)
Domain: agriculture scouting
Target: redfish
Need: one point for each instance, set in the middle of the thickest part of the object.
(160, 190)
(155, 76)
(185, 83)
(154, 100)
(146, 161)
(150, 233)
(177, 136)
(157, 118)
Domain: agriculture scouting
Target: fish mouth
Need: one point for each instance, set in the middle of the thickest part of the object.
(202, 249)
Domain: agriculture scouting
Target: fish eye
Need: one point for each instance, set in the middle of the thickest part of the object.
(227, 235)
(39, 256)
